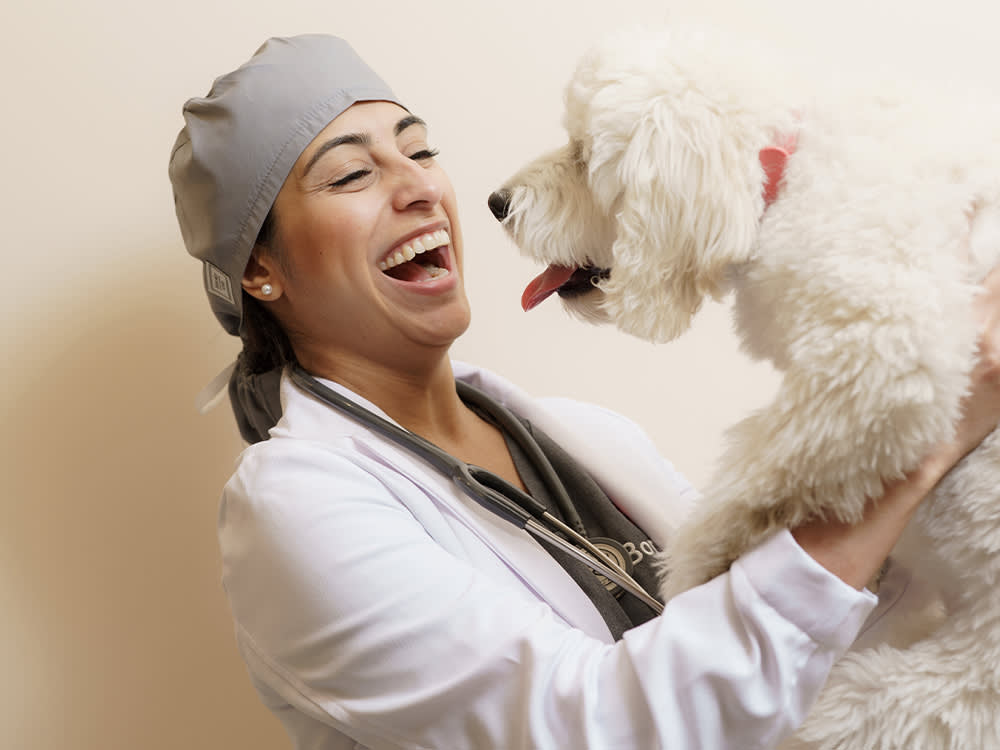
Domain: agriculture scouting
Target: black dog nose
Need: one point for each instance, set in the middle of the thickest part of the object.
(499, 203)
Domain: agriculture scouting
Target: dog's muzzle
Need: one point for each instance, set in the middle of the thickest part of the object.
(499, 203)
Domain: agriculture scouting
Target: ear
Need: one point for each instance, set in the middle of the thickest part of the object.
(689, 210)
(261, 271)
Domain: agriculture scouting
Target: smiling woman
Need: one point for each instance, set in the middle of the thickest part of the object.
(377, 605)
(364, 192)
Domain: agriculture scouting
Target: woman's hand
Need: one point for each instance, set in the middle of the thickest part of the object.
(981, 407)
(856, 552)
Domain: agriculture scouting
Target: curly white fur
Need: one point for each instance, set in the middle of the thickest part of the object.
(856, 283)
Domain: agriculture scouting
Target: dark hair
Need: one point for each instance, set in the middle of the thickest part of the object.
(265, 343)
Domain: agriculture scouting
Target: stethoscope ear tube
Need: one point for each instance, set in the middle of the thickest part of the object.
(484, 487)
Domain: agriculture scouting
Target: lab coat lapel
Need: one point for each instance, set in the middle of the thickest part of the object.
(519, 551)
(535, 567)
(630, 479)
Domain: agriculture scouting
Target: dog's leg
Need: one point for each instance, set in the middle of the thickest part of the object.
(775, 474)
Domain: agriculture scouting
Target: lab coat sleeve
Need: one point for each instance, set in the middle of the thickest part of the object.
(348, 610)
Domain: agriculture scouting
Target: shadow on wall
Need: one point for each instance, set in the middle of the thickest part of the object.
(119, 633)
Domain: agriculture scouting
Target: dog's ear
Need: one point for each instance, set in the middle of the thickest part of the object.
(690, 187)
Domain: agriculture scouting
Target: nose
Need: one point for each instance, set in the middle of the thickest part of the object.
(499, 203)
(416, 185)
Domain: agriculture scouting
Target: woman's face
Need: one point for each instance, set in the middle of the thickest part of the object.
(370, 244)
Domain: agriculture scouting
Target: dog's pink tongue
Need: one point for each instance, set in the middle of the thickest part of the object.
(545, 284)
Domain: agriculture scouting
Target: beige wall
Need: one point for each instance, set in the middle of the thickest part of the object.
(114, 634)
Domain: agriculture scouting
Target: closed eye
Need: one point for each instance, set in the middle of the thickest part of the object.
(421, 155)
(356, 175)
(426, 153)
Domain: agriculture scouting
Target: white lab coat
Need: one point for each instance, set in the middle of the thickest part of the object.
(377, 606)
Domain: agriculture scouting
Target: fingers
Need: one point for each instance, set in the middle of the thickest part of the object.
(987, 311)
(981, 405)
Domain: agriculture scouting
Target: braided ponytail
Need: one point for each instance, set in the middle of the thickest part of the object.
(254, 384)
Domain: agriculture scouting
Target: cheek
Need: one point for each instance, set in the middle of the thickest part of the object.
(450, 204)
(331, 239)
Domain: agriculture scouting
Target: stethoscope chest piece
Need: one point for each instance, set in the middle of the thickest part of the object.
(616, 553)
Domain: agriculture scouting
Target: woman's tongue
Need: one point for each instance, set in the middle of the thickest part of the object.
(413, 271)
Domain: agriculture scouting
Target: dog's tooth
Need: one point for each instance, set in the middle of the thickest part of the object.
(398, 258)
(410, 251)
(418, 245)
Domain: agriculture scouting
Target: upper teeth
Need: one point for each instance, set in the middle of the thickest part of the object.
(414, 247)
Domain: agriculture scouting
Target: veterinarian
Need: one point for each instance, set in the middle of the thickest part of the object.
(376, 603)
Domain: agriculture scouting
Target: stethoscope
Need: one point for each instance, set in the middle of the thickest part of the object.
(490, 491)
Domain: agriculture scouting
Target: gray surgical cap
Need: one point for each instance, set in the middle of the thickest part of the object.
(239, 143)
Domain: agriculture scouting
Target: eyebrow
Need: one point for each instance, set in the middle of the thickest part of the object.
(358, 139)
(407, 122)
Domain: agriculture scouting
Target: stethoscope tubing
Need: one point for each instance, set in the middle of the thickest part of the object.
(508, 509)
(485, 488)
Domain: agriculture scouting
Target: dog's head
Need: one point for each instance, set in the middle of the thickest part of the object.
(660, 189)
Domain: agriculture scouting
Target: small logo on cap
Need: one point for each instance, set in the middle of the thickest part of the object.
(217, 283)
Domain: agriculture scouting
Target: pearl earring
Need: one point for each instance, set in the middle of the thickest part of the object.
(266, 290)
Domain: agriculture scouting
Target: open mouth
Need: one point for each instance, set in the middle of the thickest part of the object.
(421, 259)
(566, 281)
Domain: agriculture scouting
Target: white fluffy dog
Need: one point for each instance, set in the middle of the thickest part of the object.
(852, 230)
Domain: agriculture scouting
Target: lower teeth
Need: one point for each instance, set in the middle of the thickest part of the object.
(435, 272)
